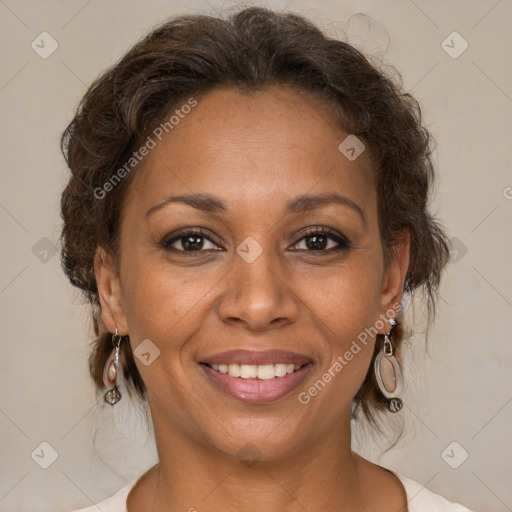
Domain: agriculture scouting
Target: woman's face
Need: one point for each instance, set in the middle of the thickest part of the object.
(258, 174)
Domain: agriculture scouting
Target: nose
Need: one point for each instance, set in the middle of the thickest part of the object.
(259, 294)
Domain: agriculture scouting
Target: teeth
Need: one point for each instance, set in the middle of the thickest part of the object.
(266, 371)
(280, 370)
(252, 371)
(248, 371)
(234, 370)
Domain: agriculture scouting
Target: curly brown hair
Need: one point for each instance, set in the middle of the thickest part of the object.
(249, 50)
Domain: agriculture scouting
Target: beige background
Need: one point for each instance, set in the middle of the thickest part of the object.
(460, 392)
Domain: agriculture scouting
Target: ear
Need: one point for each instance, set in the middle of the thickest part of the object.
(394, 278)
(109, 291)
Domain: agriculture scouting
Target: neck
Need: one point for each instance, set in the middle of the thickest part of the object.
(193, 476)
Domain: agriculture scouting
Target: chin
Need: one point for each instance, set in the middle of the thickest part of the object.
(259, 439)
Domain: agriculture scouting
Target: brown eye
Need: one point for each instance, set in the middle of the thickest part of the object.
(323, 240)
(189, 241)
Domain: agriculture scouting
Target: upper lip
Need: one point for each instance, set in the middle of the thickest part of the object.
(252, 357)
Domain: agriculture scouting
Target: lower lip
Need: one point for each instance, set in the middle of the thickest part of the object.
(257, 391)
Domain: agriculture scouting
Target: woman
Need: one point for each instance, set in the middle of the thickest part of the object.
(247, 209)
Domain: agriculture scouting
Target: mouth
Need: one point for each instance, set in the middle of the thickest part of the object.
(257, 377)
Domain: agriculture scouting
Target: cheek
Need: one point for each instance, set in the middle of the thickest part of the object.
(156, 297)
(166, 306)
(348, 310)
(346, 360)
(159, 307)
(348, 300)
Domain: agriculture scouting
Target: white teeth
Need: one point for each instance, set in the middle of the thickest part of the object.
(280, 370)
(266, 371)
(252, 371)
(248, 371)
(234, 370)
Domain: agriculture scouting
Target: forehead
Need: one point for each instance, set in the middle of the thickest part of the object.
(252, 147)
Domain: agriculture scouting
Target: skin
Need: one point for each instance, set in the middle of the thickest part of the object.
(254, 152)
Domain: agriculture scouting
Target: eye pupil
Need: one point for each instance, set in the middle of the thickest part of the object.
(314, 244)
(192, 242)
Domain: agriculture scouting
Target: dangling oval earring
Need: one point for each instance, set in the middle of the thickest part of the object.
(111, 372)
(388, 374)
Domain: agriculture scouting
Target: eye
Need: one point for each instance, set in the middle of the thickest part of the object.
(192, 240)
(317, 239)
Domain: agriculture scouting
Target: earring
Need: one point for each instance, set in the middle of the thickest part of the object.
(388, 373)
(111, 372)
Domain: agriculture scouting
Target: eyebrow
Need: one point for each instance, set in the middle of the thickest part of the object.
(300, 204)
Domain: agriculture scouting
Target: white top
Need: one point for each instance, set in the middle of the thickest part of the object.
(419, 499)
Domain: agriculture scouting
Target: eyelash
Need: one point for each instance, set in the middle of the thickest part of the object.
(342, 241)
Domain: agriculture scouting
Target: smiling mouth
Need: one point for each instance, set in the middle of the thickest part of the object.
(257, 384)
(253, 371)
(257, 376)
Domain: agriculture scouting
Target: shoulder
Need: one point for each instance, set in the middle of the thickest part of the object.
(420, 499)
(115, 503)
